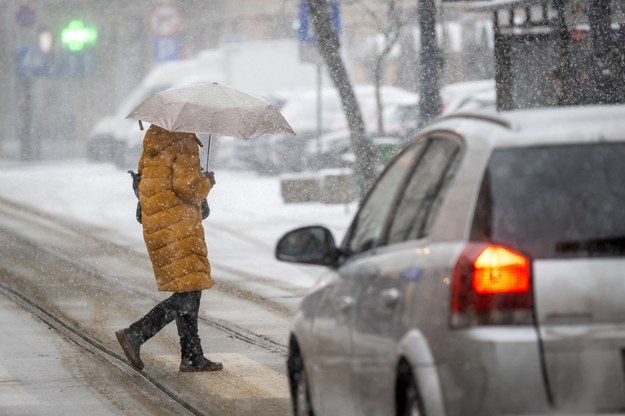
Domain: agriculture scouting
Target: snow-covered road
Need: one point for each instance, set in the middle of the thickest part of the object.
(73, 248)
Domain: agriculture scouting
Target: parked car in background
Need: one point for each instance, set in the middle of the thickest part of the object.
(469, 95)
(484, 274)
(309, 150)
(333, 150)
(301, 108)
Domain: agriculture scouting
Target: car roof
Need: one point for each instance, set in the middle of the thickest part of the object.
(548, 126)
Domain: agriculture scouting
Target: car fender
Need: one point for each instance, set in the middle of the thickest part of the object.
(301, 331)
(415, 349)
(299, 327)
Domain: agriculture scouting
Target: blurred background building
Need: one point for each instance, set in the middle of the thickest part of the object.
(66, 63)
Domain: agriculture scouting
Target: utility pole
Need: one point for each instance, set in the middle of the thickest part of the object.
(29, 149)
(599, 21)
(25, 52)
(429, 96)
(607, 79)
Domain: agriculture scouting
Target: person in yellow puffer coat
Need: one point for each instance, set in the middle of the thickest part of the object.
(171, 190)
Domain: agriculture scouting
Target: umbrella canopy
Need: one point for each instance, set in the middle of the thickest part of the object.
(212, 108)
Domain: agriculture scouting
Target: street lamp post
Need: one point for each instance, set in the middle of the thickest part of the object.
(25, 20)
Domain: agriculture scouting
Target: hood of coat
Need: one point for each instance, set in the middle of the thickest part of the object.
(157, 138)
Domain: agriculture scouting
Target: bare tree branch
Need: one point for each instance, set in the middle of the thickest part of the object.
(392, 31)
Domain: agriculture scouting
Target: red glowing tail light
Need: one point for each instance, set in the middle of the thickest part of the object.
(500, 270)
(492, 285)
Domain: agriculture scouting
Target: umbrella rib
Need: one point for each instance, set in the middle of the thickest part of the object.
(180, 111)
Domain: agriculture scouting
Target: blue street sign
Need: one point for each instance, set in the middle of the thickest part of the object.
(82, 64)
(167, 48)
(25, 16)
(32, 62)
(73, 65)
(306, 32)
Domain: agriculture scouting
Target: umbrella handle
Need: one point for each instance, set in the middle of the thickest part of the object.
(208, 150)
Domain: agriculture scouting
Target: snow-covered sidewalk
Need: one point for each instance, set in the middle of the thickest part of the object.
(34, 374)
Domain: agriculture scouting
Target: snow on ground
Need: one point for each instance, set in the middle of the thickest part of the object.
(242, 203)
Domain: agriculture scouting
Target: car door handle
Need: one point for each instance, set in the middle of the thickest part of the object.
(390, 297)
(345, 303)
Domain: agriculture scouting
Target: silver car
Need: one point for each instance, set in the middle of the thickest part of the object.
(484, 274)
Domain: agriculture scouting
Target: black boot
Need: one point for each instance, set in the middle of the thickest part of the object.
(199, 363)
(145, 328)
(131, 346)
(193, 359)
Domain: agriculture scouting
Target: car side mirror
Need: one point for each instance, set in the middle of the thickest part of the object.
(310, 245)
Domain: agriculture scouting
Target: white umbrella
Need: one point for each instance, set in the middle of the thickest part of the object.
(212, 108)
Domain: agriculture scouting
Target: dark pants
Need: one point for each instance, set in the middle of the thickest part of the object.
(184, 308)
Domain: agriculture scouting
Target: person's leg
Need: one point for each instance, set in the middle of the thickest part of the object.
(145, 328)
(186, 321)
(192, 356)
(155, 320)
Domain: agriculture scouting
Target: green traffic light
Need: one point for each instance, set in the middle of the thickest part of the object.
(76, 36)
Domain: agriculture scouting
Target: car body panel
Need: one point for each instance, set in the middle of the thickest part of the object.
(332, 347)
(581, 315)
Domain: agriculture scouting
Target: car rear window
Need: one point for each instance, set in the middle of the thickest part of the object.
(555, 201)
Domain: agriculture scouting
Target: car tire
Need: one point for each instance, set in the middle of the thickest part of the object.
(409, 402)
(302, 399)
(300, 390)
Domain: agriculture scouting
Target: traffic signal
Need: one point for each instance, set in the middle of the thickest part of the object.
(76, 35)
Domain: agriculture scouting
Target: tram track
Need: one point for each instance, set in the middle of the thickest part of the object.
(91, 344)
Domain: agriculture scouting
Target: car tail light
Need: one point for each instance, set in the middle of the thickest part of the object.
(492, 285)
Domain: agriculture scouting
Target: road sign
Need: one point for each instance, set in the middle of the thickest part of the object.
(31, 61)
(25, 16)
(308, 52)
(164, 19)
(306, 33)
(167, 48)
(74, 64)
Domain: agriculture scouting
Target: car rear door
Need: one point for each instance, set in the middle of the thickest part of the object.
(564, 206)
(377, 323)
(333, 344)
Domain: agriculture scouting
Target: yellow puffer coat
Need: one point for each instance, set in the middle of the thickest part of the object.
(171, 191)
